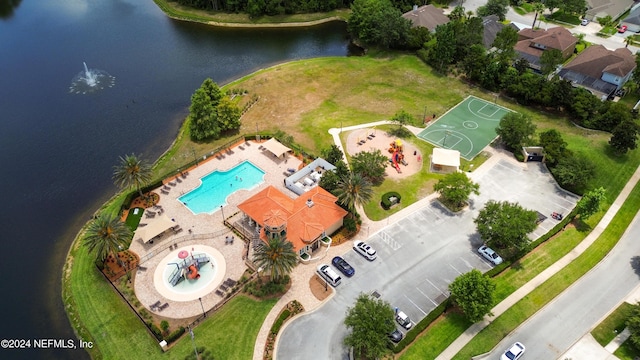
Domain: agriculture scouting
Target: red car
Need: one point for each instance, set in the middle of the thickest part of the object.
(622, 28)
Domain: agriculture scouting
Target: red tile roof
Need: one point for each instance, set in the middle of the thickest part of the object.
(304, 223)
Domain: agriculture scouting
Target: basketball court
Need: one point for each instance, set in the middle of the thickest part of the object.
(467, 127)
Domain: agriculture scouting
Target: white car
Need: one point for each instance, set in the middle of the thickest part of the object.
(403, 320)
(584, 22)
(490, 255)
(365, 250)
(514, 352)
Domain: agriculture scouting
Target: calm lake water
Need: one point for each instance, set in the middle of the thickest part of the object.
(57, 149)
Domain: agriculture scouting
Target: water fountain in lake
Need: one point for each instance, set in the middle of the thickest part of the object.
(91, 80)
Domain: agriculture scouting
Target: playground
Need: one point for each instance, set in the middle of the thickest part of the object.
(405, 159)
(467, 127)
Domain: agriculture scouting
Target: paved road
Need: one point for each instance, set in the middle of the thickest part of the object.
(420, 255)
(555, 328)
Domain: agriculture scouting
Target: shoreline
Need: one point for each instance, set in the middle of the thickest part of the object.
(296, 24)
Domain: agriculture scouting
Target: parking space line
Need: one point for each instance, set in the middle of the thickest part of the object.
(387, 239)
(454, 268)
(467, 263)
(416, 305)
(427, 296)
(437, 288)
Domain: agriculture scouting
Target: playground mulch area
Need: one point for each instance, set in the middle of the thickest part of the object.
(381, 140)
(467, 127)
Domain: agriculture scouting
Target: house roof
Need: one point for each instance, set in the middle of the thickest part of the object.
(587, 68)
(555, 38)
(596, 60)
(306, 216)
(633, 17)
(492, 27)
(427, 16)
(601, 8)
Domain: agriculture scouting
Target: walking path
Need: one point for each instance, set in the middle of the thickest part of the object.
(472, 331)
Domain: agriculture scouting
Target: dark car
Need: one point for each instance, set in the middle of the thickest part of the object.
(395, 335)
(342, 265)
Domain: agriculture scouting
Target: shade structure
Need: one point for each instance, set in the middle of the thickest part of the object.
(155, 227)
(275, 147)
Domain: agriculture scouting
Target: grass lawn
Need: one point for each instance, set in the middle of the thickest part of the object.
(230, 333)
(612, 325)
(626, 351)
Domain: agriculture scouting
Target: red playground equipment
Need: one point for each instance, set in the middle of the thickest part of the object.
(193, 273)
(396, 154)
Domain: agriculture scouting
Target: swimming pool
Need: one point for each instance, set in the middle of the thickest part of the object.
(216, 186)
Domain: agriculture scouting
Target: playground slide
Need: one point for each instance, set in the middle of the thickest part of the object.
(394, 160)
(193, 273)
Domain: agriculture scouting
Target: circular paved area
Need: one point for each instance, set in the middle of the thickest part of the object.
(189, 290)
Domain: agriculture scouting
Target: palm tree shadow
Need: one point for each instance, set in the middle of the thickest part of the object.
(635, 264)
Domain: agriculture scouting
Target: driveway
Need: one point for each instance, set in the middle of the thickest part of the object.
(421, 254)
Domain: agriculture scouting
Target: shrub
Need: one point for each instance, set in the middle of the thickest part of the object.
(164, 325)
(386, 201)
(279, 321)
(174, 335)
(155, 330)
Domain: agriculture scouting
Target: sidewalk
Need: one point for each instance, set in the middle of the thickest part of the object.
(499, 309)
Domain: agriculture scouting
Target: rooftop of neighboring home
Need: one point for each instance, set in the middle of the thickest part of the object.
(597, 59)
(602, 8)
(427, 16)
(533, 42)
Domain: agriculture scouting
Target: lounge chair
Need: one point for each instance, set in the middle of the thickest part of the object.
(155, 305)
(164, 192)
(163, 306)
(166, 188)
(219, 293)
(171, 183)
(223, 287)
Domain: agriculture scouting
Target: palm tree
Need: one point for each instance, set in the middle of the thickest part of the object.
(353, 190)
(132, 172)
(106, 235)
(538, 8)
(277, 257)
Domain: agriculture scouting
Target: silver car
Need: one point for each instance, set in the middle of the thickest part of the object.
(490, 255)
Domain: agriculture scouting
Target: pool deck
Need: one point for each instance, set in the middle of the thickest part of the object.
(204, 229)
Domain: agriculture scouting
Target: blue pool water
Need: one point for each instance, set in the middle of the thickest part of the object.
(218, 185)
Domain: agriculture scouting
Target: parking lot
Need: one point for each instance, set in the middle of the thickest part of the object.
(421, 254)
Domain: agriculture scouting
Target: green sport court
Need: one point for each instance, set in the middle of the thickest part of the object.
(467, 127)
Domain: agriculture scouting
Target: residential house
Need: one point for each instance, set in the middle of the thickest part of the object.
(600, 70)
(427, 16)
(632, 21)
(602, 8)
(492, 26)
(304, 221)
(533, 42)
